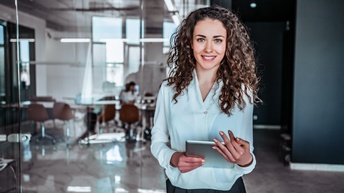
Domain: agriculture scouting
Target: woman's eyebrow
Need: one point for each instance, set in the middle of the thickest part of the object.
(216, 36)
(203, 36)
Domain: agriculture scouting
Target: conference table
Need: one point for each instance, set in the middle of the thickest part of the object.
(145, 105)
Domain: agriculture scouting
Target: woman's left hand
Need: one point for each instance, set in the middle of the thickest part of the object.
(235, 150)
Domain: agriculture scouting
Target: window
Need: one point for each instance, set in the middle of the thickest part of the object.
(25, 59)
(133, 31)
(168, 29)
(108, 47)
(106, 28)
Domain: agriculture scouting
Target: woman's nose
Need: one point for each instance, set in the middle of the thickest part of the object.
(209, 47)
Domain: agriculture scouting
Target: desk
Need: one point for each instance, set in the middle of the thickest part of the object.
(49, 105)
(143, 107)
(89, 105)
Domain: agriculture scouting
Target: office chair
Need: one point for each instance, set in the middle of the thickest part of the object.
(128, 115)
(62, 111)
(107, 115)
(38, 114)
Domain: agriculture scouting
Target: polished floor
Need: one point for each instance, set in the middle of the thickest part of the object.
(129, 167)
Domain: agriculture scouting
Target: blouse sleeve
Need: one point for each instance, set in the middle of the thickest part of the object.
(247, 133)
(160, 135)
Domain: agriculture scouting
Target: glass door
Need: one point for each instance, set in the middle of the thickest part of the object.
(12, 141)
(81, 54)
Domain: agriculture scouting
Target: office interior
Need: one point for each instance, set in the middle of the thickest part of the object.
(82, 53)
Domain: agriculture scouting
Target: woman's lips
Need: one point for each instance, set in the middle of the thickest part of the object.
(208, 58)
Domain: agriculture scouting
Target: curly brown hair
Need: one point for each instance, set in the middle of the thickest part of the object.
(237, 70)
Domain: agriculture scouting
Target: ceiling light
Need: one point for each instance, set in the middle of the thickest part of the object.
(171, 8)
(74, 40)
(175, 19)
(154, 40)
(114, 40)
(22, 40)
(169, 5)
(79, 189)
(253, 5)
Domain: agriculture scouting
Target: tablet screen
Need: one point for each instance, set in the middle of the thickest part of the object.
(211, 156)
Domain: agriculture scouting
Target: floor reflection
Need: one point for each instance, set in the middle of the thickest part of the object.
(100, 167)
(117, 166)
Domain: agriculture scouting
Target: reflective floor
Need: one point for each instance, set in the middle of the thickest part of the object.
(129, 167)
(108, 167)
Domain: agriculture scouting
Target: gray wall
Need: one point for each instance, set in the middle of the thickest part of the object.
(318, 120)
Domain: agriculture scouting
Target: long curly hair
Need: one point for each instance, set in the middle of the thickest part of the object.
(237, 70)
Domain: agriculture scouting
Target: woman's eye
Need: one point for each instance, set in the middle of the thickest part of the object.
(218, 40)
(200, 39)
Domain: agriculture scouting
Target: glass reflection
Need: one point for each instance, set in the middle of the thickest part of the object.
(80, 49)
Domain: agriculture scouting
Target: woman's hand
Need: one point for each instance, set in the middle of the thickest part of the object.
(234, 150)
(185, 163)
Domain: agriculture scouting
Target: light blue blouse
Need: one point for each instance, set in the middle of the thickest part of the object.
(195, 119)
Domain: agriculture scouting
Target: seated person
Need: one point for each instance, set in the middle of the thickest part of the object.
(130, 94)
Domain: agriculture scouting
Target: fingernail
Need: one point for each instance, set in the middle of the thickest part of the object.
(215, 140)
(221, 133)
(237, 139)
(203, 161)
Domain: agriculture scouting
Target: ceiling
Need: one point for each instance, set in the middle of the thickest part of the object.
(71, 15)
(74, 15)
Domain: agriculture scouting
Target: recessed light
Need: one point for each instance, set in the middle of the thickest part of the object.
(253, 5)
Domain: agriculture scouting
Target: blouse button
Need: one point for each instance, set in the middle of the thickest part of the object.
(205, 112)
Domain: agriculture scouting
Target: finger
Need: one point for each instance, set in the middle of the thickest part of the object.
(223, 154)
(236, 145)
(184, 169)
(232, 145)
(245, 144)
(188, 163)
(225, 149)
(194, 160)
(238, 148)
(231, 135)
(233, 139)
(224, 137)
(191, 159)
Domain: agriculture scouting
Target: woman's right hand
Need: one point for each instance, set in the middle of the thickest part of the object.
(185, 163)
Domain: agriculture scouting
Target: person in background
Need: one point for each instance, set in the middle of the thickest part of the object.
(129, 94)
(208, 96)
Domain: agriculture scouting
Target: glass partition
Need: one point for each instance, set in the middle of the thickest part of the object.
(62, 63)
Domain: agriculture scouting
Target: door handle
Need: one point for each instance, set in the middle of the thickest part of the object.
(18, 137)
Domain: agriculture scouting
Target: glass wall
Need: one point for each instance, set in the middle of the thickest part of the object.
(80, 54)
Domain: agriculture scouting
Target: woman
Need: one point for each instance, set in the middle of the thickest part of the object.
(209, 95)
(130, 94)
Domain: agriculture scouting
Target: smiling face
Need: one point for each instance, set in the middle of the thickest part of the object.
(209, 44)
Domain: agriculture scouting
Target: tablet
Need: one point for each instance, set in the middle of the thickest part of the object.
(211, 156)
